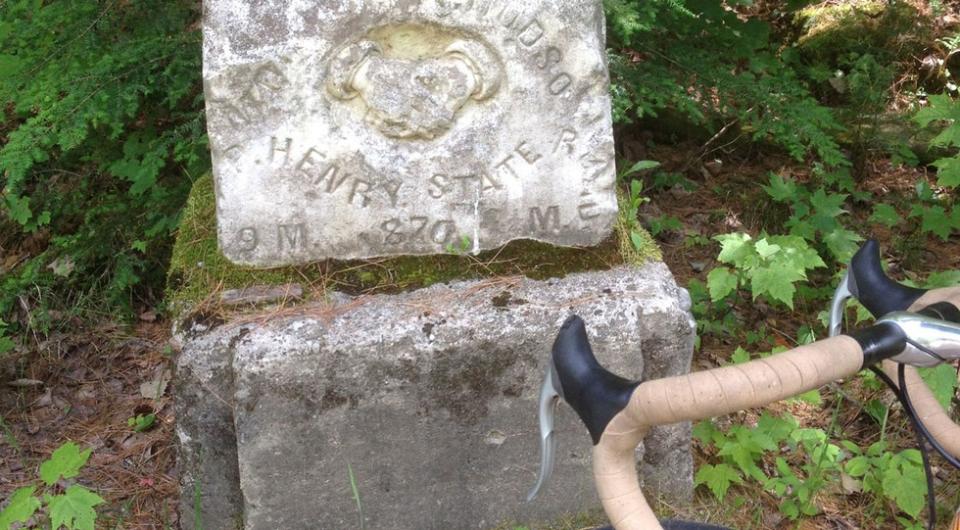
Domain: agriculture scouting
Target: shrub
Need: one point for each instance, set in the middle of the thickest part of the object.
(101, 132)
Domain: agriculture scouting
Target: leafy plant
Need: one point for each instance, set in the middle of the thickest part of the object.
(817, 213)
(103, 129)
(945, 112)
(770, 266)
(142, 422)
(665, 223)
(668, 60)
(72, 508)
(898, 477)
(636, 199)
(813, 464)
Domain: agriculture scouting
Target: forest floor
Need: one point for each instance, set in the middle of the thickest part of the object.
(86, 387)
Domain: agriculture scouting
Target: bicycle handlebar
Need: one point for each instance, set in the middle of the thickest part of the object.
(867, 282)
(704, 395)
(619, 414)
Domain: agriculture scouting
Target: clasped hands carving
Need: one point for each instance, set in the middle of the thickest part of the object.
(414, 99)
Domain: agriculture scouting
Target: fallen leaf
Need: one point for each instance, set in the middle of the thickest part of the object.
(850, 484)
(155, 388)
(62, 266)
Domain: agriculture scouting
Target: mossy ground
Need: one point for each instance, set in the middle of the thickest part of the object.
(198, 271)
(831, 30)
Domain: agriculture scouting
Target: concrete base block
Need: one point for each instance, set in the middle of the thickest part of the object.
(428, 400)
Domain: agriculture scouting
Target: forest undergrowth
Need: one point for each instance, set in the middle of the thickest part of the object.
(759, 171)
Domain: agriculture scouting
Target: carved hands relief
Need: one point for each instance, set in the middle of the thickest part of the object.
(414, 98)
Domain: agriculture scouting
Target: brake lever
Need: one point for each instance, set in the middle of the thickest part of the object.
(551, 392)
(838, 306)
(930, 341)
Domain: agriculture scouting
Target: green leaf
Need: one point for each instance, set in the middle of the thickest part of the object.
(948, 170)
(780, 189)
(638, 240)
(765, 249)
(857, 466)
(934, 220)
(740, 356)
(843, 244)
(21, 507)
(721, 282)
(18, 208)
(940, 279)
(734, 248)
(74, 509)
(718, 478)
(942, 381)
(812, 397)
(707, 433)
(830, 205)
(642, 165)
(777, 282)
(885, 215)
(65, 462)
(940, 108)
(904, 484)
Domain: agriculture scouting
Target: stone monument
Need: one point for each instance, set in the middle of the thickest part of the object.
(356, 129)
(353, 129)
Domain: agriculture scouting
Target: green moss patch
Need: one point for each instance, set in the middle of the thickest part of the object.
(198, 271)
(832, 29)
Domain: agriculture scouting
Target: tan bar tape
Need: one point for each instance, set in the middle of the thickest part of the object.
(929, 411)
(704, 395)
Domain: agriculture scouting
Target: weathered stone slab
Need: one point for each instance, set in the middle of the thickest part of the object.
(430, 397)
(354, 129)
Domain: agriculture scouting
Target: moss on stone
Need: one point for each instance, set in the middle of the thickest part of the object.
(198, 271)
(833, 29)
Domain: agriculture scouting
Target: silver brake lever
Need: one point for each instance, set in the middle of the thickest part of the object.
(550, 395)
(930, 341)
(839, 305)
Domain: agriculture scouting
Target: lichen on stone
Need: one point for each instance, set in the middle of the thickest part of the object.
(199, 271)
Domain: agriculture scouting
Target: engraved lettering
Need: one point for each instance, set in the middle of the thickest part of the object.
(392, 187)
(419, 227)
(235, 115)
(233, 152)
(587, 211)
(275, 148)
(489, 182)
(526, 151)
(465, 181)
(560, 84)
(506, 19)
(330, 176)
(392, 228)
(531, 33)
(310, 161)
(291, 237)
(545, 222)
(549, 57)
(361, 188)
(248, 239)
(441, 186)
(565, 141)
(596, 164)
(443, 232)
(505, 165)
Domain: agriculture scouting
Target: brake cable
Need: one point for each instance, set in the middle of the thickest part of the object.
(921, 434)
